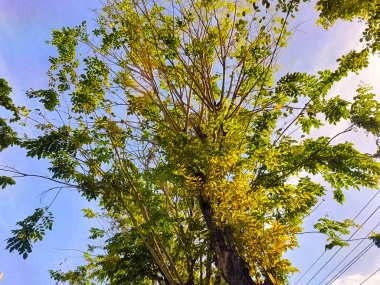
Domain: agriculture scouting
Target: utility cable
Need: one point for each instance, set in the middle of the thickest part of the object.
(323, 253)
(370, 216)
(327, 262)
(352, 262)
(310, 267)
(369, 276)
(340, 272)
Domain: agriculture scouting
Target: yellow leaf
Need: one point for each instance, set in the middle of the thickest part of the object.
(272, 278)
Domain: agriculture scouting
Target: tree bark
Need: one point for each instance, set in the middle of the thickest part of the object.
(208, 265)
(233, 268)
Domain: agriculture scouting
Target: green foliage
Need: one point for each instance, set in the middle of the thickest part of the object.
(5, 100)
(5, 181)
(336, 110)
(52, 144)
(375, 237)
(341, 9)
(49, 98)
(8, 136)
(63, 67)
(88, 213)
(76, 277)
(371, 34)
(332, 228)
(175, 123)
(365, 111)
(5, 90)
(32, 229)
(364, 10)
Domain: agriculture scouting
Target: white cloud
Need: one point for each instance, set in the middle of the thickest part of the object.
(358, 278)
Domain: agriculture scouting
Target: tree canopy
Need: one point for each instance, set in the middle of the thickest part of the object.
(173, 117)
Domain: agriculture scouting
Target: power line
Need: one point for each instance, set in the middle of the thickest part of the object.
(324, 265)
(342, 247)
(349, 265)
(370, 216)
(352, 262)
(369, 276)
(311, 266)
(341, 262)
(354, 249)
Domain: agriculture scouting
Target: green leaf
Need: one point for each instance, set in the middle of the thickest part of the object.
(375, 237)
(48, 97)
(31, 230)
(5, 181)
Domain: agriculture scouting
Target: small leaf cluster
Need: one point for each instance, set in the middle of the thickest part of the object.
(5, 181)
(332, 228)
(32, 229)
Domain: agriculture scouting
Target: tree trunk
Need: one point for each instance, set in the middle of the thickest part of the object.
(234, 269)
(208, 265)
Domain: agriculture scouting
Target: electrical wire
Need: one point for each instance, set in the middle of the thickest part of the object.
(323, 253)
(370, 216)
(352, 262)
(310, 267)
(353, 250)
(369, 276)
(324, 265)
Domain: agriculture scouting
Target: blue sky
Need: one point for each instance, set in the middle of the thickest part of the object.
(24, 28)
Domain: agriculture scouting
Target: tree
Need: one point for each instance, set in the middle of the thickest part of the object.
(171, 116)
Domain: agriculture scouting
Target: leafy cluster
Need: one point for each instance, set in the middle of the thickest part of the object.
(32, 228)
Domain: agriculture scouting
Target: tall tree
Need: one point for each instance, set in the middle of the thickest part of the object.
(171, 116)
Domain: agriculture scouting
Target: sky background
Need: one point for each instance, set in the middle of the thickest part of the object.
(24, 28)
